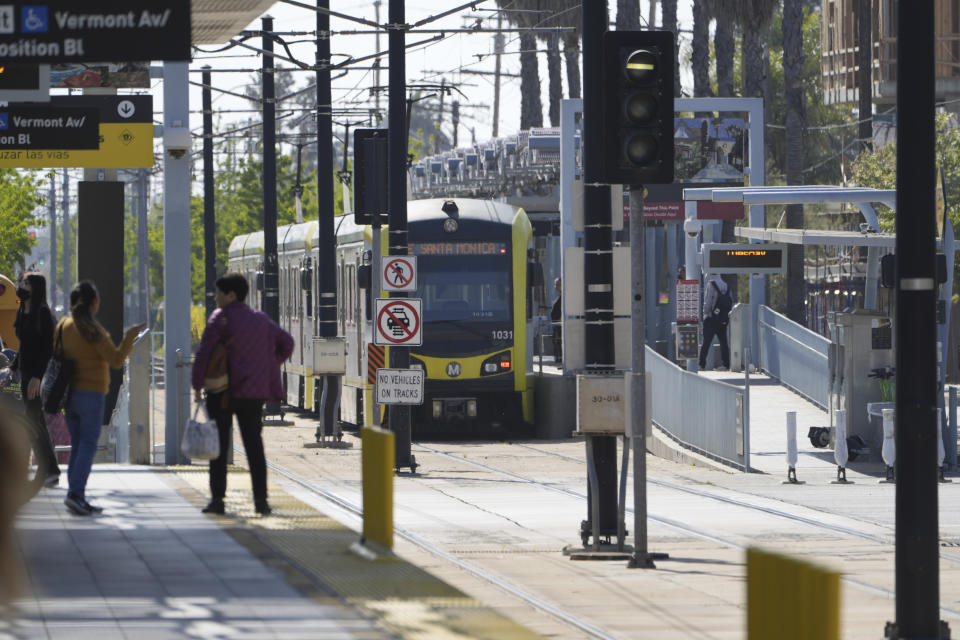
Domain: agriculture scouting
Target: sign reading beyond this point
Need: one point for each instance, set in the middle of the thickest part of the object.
(399, 274)
(398, 322)
(400, 386)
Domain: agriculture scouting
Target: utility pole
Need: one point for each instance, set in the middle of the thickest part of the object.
(498, 44)
(52, 280)
(917, 536)
(209, 221)
(865, 71)
(397, 204)
(436, 139)
(67, 268)
(376, 61)
(598, 266)
(326, 268)
(271, 274)
(455, 120)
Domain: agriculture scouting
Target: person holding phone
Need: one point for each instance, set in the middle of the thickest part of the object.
(93, 353)
(34, 329)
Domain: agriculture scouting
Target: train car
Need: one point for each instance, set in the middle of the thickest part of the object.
(472, 278)
(294, 244)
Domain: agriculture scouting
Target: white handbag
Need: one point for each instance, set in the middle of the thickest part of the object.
(201, 440)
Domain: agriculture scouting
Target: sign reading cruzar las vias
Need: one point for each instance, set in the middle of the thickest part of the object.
(63, 31)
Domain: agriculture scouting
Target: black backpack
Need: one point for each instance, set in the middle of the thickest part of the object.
(723, 304)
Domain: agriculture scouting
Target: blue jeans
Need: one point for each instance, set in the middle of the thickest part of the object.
(84, 414)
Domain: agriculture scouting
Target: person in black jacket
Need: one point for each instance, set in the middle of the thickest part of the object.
(34, 328)
(556, 319)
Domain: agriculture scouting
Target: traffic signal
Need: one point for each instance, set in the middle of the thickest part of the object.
(370, 176)
(638, 107)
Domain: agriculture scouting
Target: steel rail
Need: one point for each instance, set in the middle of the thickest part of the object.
(476, 571)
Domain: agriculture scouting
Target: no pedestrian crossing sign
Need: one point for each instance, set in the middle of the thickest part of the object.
(399, 274)
(398, 322)
(400, 386)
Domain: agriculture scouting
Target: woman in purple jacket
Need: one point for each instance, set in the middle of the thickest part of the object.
(256, 347)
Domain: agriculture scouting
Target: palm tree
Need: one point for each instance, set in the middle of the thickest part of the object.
(628, 15)
(700, 58)
(794, 125)
(754, 18)
(531, 108)
(669, 10)
(723, 43)
(562, 13)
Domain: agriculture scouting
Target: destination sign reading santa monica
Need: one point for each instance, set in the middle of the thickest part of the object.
(70, 31)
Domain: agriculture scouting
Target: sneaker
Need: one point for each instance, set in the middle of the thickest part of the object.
(262, 507)
(52, 480)
(92, 508)
(77, 506)
(215, 506)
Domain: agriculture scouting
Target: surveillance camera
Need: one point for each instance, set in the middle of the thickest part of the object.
(692, 227)
(177, 141)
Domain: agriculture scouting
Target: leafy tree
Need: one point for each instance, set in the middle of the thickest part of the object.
(18, 200)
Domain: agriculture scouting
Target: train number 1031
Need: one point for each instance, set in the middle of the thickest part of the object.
(505, 334)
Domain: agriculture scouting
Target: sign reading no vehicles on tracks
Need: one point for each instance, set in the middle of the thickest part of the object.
(398, 322)
(399, 386)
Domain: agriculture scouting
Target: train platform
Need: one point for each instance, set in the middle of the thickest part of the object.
(153, 567)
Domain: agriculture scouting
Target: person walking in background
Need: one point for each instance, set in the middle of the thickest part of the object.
(556, 320)
(34, 329)
(93, 353)
(255, 346)
(716, 314)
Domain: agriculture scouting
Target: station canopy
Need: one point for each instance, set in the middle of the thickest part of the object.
(216, 21)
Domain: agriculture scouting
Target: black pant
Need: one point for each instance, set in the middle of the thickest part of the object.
(711, 328)
(557, 342)
(249, 414)
(40, 436)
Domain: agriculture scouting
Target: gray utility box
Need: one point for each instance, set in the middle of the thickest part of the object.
(861, 342)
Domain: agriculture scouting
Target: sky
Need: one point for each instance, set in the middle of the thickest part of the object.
(427, 63)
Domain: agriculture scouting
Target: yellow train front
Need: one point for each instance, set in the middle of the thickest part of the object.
(472, 279)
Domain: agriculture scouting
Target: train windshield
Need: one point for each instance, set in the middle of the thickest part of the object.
(466, 295)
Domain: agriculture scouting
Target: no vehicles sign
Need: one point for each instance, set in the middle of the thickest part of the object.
(398, 322)
(399, 386)
(399, 274)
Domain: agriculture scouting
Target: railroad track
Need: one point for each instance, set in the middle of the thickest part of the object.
(697, 531)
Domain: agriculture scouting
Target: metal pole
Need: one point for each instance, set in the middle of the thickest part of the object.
(209, 221)
(598, 255)
(498, 41)
(917, 547)
(326, 255)
(638, 389)
(67, 268)
(143, 245)
(271, 274)
(376, 61)
(52, 280)
(397, 202)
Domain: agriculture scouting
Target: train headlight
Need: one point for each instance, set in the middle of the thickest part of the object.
(472, 408)
(499, 363)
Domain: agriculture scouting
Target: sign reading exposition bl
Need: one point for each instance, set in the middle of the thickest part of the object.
(61, 31)
(124, 138)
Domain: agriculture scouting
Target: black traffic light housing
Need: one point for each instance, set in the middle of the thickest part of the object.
(638, 107)
(18, 77)
(370, 176)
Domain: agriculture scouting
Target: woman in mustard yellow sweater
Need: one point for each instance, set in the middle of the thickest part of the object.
(89, 346)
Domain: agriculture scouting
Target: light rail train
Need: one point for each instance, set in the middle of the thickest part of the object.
(477, 312)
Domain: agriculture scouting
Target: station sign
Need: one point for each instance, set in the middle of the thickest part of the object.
(721, 257)
(58, 31)
(398, 322)
(400, 386)
(125, 136)
(399, 274)
(27, 126)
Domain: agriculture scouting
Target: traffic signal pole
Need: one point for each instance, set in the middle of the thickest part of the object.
(917, 535)
(399, 419)
(271, 273)
(209, 220)
(598, 264)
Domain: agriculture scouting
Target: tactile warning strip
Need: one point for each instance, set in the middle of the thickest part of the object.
(403, 598)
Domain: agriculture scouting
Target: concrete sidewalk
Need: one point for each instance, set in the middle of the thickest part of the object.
(153, 567)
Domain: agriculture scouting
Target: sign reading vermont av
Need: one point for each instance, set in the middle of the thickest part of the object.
(42, 127)
(61, 31)
(400, 386)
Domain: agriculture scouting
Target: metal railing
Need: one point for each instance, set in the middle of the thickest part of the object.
(706, 416)
(797, 357)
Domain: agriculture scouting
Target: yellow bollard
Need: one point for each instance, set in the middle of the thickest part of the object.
(377, 460)
(790, 599)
